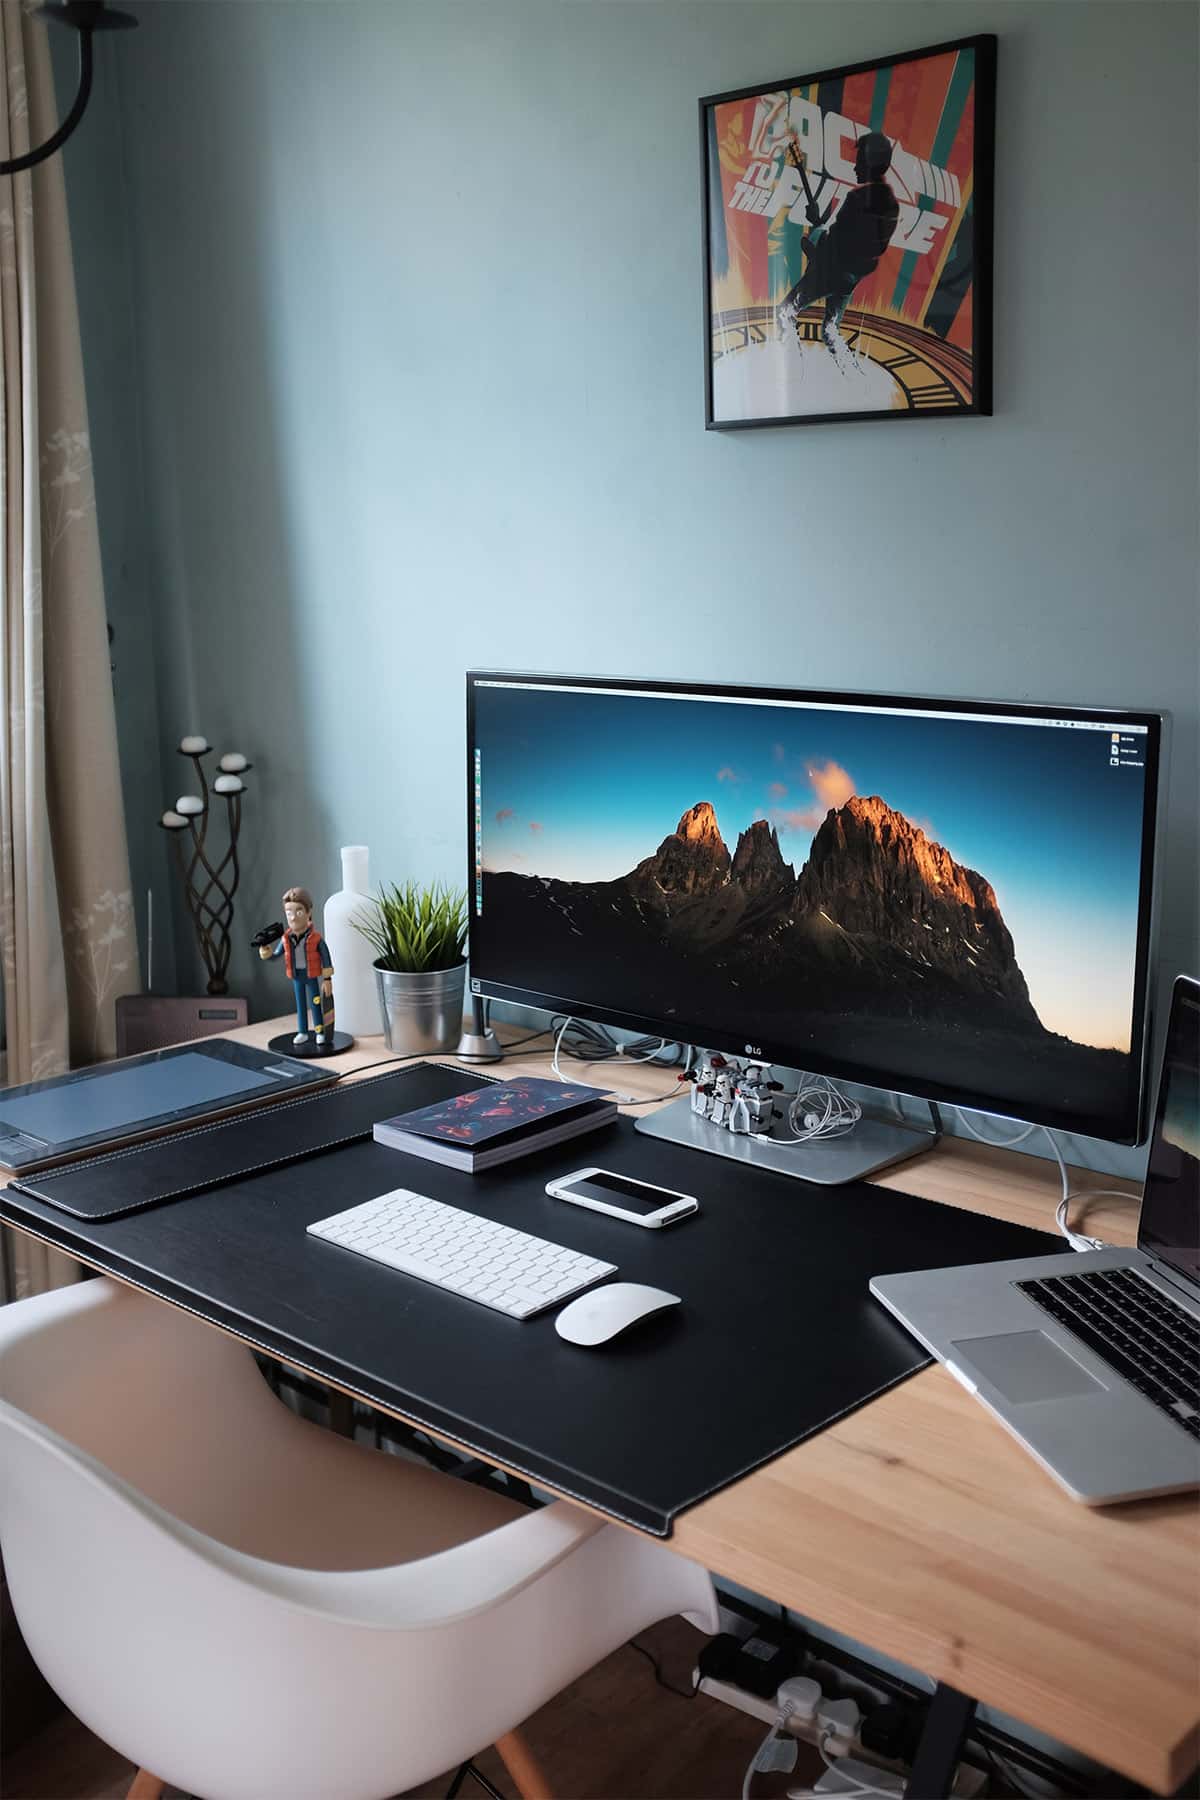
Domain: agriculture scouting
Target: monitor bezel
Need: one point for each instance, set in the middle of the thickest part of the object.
(1129, 1129)
(1185, 991)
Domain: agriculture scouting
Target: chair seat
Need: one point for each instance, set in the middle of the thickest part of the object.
(182, 1413)
(256, 1609)
(322, 1502)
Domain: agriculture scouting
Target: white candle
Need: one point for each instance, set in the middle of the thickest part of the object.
(233, 762)
(172, 821)
(189, 805)
(193, 746)
(228, 784)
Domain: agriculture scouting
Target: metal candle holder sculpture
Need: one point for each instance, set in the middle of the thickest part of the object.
(208, 885)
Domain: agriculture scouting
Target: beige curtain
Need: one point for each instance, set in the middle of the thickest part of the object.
(66, 914)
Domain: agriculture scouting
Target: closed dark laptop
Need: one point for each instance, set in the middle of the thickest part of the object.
(1093, 1359)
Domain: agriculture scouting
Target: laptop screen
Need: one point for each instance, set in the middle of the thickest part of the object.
(1170, 1221)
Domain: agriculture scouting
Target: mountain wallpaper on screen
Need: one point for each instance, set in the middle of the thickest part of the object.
(881, 931)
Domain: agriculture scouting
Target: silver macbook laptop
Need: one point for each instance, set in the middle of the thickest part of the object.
(1092, 1359)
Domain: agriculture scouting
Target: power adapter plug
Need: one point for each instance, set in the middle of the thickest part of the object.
(839, 1719)
(798, 1699)
(764, 1660)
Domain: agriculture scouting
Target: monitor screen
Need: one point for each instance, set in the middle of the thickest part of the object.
(947, 899)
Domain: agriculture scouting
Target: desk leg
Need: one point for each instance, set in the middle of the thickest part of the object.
(946, 1725)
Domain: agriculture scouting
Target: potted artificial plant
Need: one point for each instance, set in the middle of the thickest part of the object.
(417, 934)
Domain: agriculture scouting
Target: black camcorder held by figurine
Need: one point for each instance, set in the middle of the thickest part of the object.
(270, 934)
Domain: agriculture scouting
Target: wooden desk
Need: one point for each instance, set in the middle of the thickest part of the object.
(920, 1527)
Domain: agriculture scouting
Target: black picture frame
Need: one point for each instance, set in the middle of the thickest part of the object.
(899, 358)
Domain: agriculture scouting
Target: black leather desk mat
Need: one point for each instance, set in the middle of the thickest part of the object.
(777, 1335)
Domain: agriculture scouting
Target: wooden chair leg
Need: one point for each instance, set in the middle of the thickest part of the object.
(146, 1787)
(527, 1773)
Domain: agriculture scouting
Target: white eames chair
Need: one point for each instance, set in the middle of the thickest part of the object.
(255, 1609)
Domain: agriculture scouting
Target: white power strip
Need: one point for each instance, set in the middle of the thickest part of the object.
(968, 1782)
(766, 1710)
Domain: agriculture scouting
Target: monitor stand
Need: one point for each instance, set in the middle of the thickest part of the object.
(874, 1144)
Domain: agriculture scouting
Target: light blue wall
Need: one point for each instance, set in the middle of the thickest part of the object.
(417, 355)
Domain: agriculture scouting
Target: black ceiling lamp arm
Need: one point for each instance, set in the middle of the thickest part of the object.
(15, 164)
(86, 16)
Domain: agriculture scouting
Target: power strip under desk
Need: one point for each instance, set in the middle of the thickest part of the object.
(968, 1782)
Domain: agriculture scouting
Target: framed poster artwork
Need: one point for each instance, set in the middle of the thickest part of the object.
(847, 241)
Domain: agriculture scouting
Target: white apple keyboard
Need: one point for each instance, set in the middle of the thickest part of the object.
(508, 1270)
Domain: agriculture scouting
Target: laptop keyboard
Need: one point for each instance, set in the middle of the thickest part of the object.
(1144, 1337)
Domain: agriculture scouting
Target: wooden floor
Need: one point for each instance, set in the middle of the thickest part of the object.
(614, 1735)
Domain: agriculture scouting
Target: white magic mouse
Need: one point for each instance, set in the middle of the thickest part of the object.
(597, 1317)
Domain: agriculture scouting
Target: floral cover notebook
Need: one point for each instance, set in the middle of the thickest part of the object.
(498, 1122)
(489, 1112)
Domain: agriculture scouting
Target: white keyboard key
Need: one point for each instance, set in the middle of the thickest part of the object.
(477, 1259)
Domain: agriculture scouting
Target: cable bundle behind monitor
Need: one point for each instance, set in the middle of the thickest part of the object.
(584, 1041)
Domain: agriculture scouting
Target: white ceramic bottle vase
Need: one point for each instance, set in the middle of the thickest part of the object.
(355, 996)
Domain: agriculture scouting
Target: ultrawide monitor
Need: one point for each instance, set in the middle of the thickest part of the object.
(946, 899)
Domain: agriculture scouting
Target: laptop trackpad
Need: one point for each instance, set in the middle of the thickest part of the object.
(1026, 1365)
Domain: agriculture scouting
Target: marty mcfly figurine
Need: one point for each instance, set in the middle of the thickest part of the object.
(307, 964)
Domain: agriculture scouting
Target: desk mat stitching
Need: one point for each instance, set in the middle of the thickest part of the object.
(105, 1158)
(168, 1143)
(468, 1443)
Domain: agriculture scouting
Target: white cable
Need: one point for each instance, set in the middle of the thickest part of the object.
(995, 1142)
(817, 1110)
(605, 1047)
(823, 1110)
(649, 1055)
(752, 1765)
(557, 1047)
(852, 1789)
(1078, 1240)
(602, 1061)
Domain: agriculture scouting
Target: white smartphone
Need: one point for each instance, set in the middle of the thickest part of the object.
(621, 1197)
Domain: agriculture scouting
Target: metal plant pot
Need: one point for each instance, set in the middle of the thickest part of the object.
(423, 1012)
